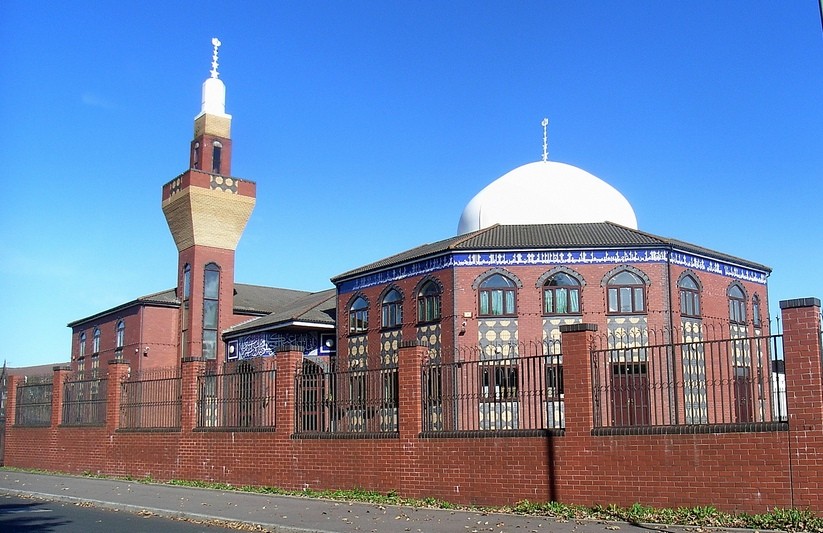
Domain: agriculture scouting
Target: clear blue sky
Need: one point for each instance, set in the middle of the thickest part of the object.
(369, 125)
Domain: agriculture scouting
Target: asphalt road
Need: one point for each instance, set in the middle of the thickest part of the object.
(45, 497)
(23, 515)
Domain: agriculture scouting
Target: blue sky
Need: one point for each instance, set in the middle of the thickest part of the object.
(369, 125)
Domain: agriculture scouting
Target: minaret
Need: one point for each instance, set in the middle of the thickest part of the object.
(207, 209)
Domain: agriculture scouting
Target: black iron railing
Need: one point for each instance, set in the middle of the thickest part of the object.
(728, 381)
(240, 397)
(84, 400)
(151, 399)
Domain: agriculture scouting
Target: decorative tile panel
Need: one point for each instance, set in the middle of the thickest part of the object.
(497, 338)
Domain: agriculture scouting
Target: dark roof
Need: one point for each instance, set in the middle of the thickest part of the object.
(315, 309)
(248, 299)
(256, 299)
(546, 236)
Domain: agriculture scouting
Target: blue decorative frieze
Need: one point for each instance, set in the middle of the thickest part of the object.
(716, 267)
(574, 257)
(565, 257)
(394, 274)
(267, 344)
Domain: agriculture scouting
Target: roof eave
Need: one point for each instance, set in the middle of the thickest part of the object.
(290, 323)
(134, 303)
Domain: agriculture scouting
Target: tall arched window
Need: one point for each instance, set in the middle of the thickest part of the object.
(737, 305)
(82, 342)
(497, 296)
(627, 293)
(428, 302)
(196, 157)
(757, 321)
(119, 335)
(95, 341)
(359, 316)
(392, 309)
(689, 297)
(215, 158)
(211, 298)
(187, 281)
(561, 295)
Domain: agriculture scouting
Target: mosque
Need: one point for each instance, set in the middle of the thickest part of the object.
(547, 244)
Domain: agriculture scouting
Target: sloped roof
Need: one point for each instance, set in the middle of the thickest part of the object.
(546, 237)
(316, 309)
(257, 299)
(248, 299)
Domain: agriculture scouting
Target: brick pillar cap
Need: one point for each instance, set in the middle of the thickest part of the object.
(60, 367)
(410, 344)
(118, 362)
(799, 302)
(573, 328)
(289, 348)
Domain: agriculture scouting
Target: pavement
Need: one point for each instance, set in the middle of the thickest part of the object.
(283, 514)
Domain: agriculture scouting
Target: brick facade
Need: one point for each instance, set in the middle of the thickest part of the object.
(737, 470)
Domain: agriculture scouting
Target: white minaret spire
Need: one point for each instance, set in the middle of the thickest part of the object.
(214, 90)
(216, 44)
(545, 124)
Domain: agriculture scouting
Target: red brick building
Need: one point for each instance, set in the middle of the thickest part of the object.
(516, 273)
(207, 209)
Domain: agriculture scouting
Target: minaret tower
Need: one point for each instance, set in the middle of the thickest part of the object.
(207, 209)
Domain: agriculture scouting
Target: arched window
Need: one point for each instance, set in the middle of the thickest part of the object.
(392, 309)
(95, 341)
(187, 281)
(82, 342)
(196, 157)
(119, 335)
(359, 315)
(428, 302)
(689, 297)
(737, 305)
(211, 299)
(215, 158)
(627, 293)
(756, 319)
(561, 295)
(497, 296)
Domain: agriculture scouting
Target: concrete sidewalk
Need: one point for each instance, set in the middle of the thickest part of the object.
(282, 514)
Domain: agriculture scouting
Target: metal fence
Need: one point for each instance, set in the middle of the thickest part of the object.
(351, 401)
(241, 397)
(729, 381)
(84, 400)
(33, 407)
(493, 394)
(151, 399)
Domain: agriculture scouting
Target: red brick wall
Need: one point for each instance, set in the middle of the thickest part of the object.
(747, 471)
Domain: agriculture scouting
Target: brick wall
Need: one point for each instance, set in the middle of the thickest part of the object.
(736, 471)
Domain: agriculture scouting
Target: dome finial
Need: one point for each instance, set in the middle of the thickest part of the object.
(545, 124)
(216, 44)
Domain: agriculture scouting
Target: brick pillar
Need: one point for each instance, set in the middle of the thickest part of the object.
(410, 415)
(569, 476)
(577, 341)
(288, 360)
(192, 368)
(60, 375)
(804, 388)
(118, 371)
(11, 400)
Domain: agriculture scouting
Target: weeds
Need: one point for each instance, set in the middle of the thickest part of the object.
(790, 520)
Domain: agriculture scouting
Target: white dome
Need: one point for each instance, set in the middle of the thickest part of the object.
(546, 192)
